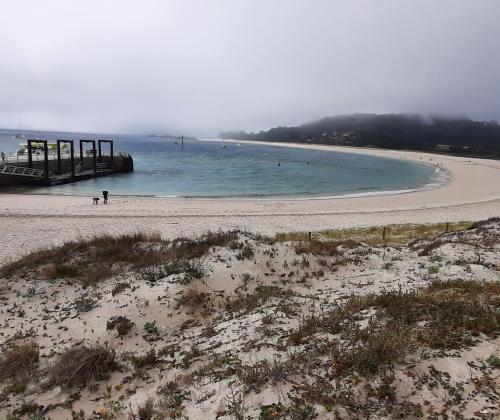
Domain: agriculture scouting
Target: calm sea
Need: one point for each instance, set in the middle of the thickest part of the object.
(208, 169)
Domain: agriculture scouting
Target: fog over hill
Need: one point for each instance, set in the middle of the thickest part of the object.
(395, 131)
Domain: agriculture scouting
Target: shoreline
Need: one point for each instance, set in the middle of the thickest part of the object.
(448, 175)
(436, 181)
(32, 221)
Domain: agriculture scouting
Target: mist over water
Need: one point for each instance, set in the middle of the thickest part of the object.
(217, 169)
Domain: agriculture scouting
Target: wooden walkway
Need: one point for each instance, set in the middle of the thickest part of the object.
(39, 177)
(21, 171)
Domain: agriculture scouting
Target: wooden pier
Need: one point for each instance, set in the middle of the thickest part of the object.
(64, 166)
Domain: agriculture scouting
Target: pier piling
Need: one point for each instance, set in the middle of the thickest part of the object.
(94, 160)
(72, 151)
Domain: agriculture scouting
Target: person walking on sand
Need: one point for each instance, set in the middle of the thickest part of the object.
(2, 154)
(105, 196)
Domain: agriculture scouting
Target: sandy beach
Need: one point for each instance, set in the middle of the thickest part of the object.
(472, 192)
(346, 267)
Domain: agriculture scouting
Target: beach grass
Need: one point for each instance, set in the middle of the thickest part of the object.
(395, 234)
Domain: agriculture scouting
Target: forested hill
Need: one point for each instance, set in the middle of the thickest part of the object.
(392, 131)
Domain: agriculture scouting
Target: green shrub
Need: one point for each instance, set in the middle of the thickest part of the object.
(121, 324)
(151, 328)
(494, 361)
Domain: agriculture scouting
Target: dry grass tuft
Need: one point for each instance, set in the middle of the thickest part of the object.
(146, 411)
(189, 269)
(445, 315)
(147, 360)
(254, 377)
(396, 234)
(186, 248)
(91, 261)
(262, 293)
(171, 399)
(109, 247)
(194, 297)
(327, 248)
(246, 253)
(483, 223)
(78, 365)
(18, 360)
(120, 287)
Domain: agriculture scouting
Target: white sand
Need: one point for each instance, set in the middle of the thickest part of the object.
(472, 192)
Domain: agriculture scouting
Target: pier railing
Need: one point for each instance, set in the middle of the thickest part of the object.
(21, 171)
(13, 157)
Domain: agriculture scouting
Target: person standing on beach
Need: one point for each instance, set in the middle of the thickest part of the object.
(2, 154)
(105, 196)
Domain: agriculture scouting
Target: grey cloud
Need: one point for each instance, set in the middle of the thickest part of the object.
(200, 66)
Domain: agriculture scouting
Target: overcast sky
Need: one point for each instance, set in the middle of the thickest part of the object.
(201, 66)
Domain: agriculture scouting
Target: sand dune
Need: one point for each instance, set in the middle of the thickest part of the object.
(286, 327)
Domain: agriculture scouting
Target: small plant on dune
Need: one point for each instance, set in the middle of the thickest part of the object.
(146, 411)
(151, 328)
(84, 303)
(78, 415)
(433, 270)
(95, 274)
(185, 248)
(255, 376)
(272, 411)
(326, 248)
(27, 409)
(246, 278)
(494, 361)
(119, 288)
(66, 270)
(157, 272)
(78, 365)
(445, 315)
(305, 262)
(386, 391)
(193, 270)
(371, 349)
(246, 253)
(261, 294)
(120, 323)
(189, 269)
(323, 262)
(171, 398)
(233, 245)
(149, 359)
(236, 406)
(152, 332)
(17, 388)
(18, 360)
(190, 356)
(194, 297)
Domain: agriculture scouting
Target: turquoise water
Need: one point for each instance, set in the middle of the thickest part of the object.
(208, 169)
